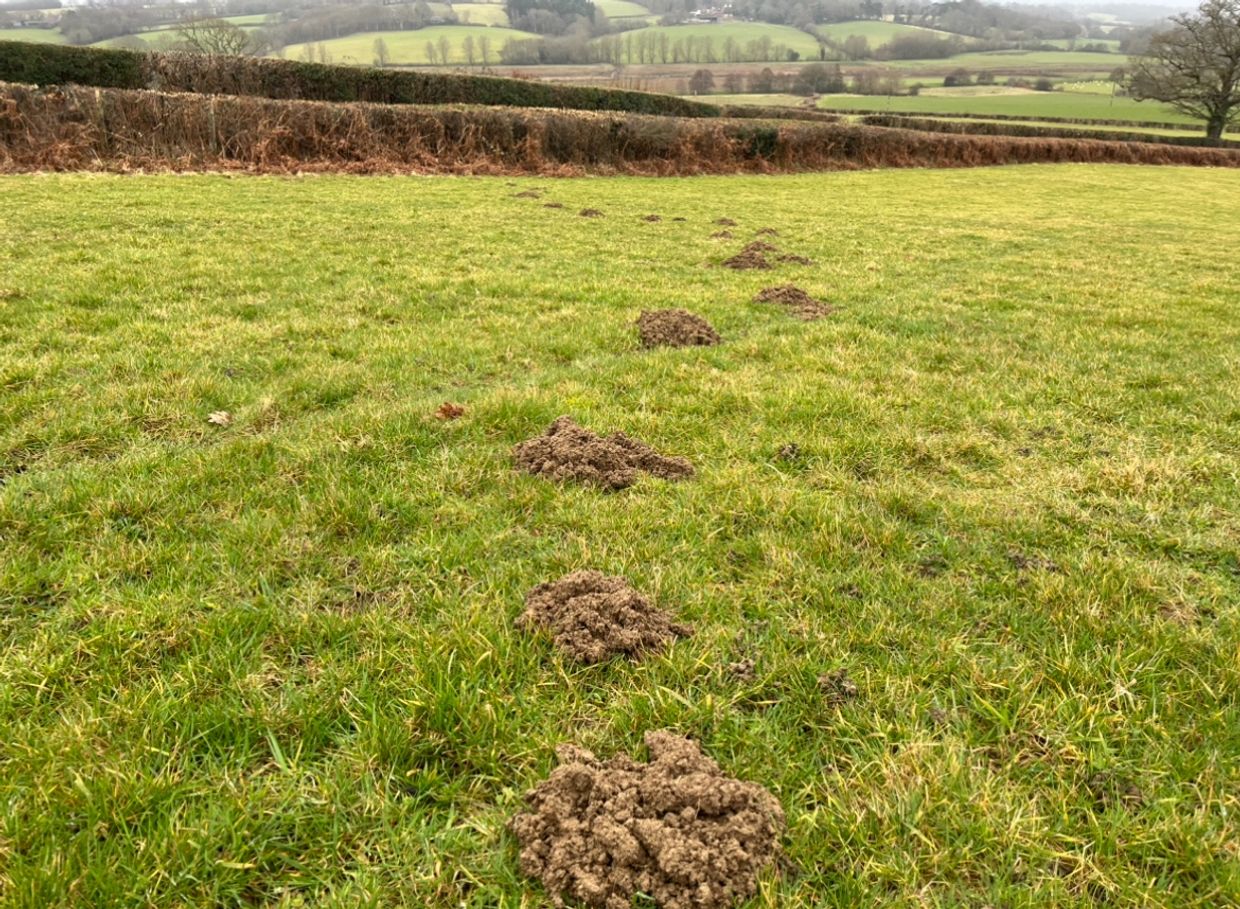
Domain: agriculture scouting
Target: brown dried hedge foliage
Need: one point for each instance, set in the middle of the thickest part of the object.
(113, 129)
(934, 125)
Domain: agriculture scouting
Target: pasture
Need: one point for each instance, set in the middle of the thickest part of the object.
(409, 47)
(269, 658)
(1020, 103)
(876, 32)
(740, 32)
(621, 9)
(33, 35)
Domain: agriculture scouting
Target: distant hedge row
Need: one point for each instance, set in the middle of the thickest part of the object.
(1027, 130)
(50, 64)
(1083, 121)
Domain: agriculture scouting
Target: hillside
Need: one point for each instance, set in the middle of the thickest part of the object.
(409, 47)
(877, 33)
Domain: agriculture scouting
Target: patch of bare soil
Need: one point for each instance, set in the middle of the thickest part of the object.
(593, 617)
(795, 300)
(553, 205)
(837, 687)
(528, 194)
(675, 328)
(676, 829)
(449, 411)
(591, 213)
(678, 219)
(796, 260)
(721, 235)
(725, 222)
(766, 232)
(752, 256)
(567, 451)
(651, 218)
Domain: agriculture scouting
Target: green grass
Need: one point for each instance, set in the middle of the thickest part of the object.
(621, 9)
(1024, 104)
(409, 47)
(481, 13)
(273, 664)
(877, 33)
(1028, 62)
(32, 35)
(742, 33)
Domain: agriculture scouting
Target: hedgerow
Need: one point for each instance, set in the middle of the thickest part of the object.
(934, 125)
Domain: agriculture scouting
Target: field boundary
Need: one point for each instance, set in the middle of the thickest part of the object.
(1084, 121)
(80, 128)
(932, 124)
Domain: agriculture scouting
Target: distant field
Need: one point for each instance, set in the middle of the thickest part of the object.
(742, 33)
(877, 33)
(1027, 104)
(1111, 44)
(1033, 61)
(480, 13)
(621, 9)
(409, 47)
(33, 35)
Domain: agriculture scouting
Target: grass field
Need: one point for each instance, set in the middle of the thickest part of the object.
(621, 9)
(409, 47)
(273, 663)
(742, 33)
(481, 13)
(1031, 62)
(1025, 104)
(877, 33)
(33, 35)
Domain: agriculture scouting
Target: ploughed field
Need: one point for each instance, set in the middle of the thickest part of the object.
(941, 553)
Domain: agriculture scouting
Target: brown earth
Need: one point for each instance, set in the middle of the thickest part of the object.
(725, 222)
(449, 411)
(593, 617)
(676, 829)
(752, 256)
(528, 194)
(766, 232)
(837, 687)
(796, 260)
(553, 205)
(591, 213)
(675, 328)
(795, 300)
(651, 218)
(567, 451)
(721, 235)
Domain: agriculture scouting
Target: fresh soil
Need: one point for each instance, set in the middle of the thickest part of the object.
(567, 451)
(449, 411)
(651, 218)
(766, 232)
(837, 687)
(594, 617)
(721, 235)
(795, 300)
(676, 829)
(528, 194)
(553, 205)
(762, 246)
(591, 213)
(725, 222)
(752, 256)
(675, 328)
(796, 260)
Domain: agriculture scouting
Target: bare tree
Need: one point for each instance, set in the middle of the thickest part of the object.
(430, 51)
(1195, 67)
(214, 37)
(445, 50)
(484, 49)
(382, 55)
(701, 82)
(468, 46)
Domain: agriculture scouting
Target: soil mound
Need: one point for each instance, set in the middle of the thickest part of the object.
(721, 235)
(766, 232)
(795, 300)
(591, 213)
(593, 617)
(752, 256)
(567, 451)
(449, 411)
(553, 205)
(675, 328)
(796, 260)
(527, 194)
(651, 218)
(676, 829)
(725, 222)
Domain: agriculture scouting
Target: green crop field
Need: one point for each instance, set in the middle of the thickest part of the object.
(877, 33)
(1031, 62)
(1021, 104)
(33, 35)
(621, 9)
(409, 47)
(271, 661)
(481, 13)
(740, 32)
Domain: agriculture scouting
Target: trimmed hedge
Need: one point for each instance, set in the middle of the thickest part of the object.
(930, 124)
(1083, 121)
(50, 64)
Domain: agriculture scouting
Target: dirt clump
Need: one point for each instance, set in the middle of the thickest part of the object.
(593, 617)
(837, 687)
(795, 300)
(678, 219)
(675, 829)
(721, 235)
(449, 411)
(567, 451)
(553, 205)
(725, 222)
(752, 256)
(651, 218)
(675, 328)
(528, 194)
(744, 670)
(766, 232)
(796, 260)
(591, 213)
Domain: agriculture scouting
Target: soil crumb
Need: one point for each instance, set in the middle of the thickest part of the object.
(795, 300)
(528, 194)
(553, 205)
(796, 260)
(837, 687)
(752, 256)
(651, 218)
(743, 670)
(591, 213)
(675, 328)
(675, 829)
(593, 617)
(721, 235)
(449, 411)
(766, 232)
(567, 451)
(789, 453)
(725, 222)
